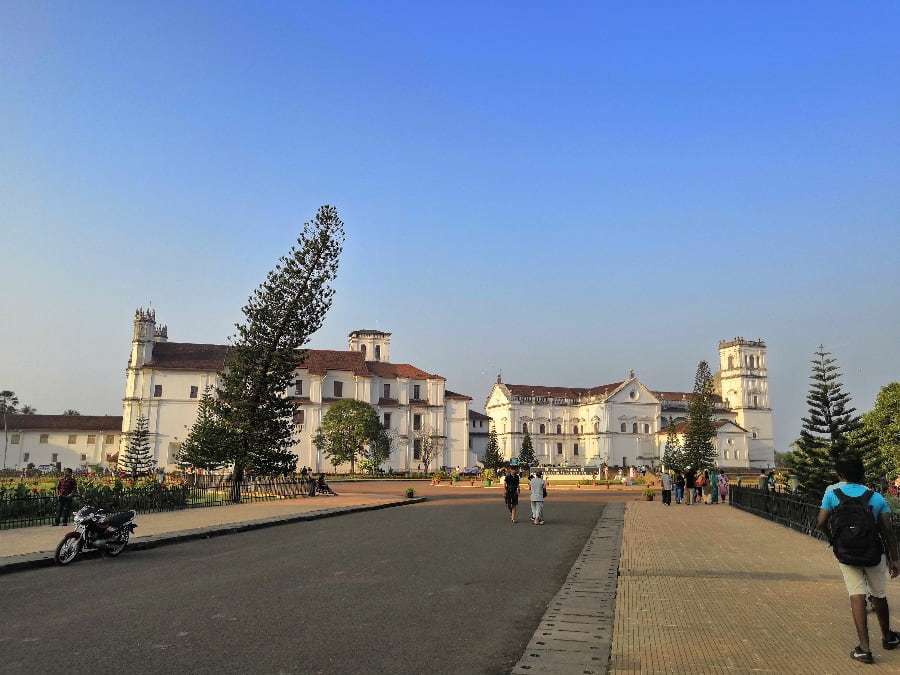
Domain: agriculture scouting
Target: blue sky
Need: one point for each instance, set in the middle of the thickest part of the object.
(564, 191)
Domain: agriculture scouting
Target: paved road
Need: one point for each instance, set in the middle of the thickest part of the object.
(445, 586)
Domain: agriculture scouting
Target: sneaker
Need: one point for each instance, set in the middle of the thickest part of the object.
(859, 655)
(891, 643)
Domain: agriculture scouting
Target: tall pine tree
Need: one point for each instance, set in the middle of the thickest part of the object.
(699, 452)
(209, 443)
(288, 307)
(526, 454)
(673, 454)
(492, 458)
(138, 458)
(830, 430)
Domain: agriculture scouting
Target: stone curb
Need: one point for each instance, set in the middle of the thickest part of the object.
(45, 558)
(575, 633)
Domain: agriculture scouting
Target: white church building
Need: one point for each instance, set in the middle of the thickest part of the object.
(165, 380)
(625, 423)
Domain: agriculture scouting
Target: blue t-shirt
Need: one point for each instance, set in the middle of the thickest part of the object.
(877, 503)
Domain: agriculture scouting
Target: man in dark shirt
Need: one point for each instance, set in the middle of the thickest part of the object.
(512, 492)
(65, 491)
(690, 483)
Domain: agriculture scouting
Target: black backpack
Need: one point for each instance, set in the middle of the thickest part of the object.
(854, 533)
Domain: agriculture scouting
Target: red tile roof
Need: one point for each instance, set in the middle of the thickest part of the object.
(384, 369)
(64, 422)
(681, 427)
(188, 356)
(475, 415)
(318, 361)
(680, 396)
(453, 394)
(561, 392)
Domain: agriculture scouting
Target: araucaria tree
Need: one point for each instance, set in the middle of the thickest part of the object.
(830, 431)
(351, 431)
(288, 307)
(138, 458)
(526, 454)
(209, 444)
(673, 454)
(699, 452)
(492, 458)
(8, 403)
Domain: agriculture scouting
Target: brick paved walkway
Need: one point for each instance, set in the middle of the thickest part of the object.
(711, 589)
(26, 540)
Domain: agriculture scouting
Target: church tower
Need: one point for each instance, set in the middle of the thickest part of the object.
(142, 337)
(374, 344)
(744, 387)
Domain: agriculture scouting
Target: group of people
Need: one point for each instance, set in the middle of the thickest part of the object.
(312, 485)
(695, 487)
(537, 488)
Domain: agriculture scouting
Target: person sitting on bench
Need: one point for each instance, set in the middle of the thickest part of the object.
(322, 487)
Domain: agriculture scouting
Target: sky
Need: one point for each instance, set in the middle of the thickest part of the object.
(561, 191)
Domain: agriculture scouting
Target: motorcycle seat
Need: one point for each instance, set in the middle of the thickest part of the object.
(120, 518)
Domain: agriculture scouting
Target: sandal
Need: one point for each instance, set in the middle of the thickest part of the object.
(859, 655)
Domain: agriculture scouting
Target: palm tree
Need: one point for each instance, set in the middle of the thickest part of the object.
(8, 403)
(27, 410)
(70, 411)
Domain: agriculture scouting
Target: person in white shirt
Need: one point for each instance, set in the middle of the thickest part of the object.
(538, 487)
(666, 480)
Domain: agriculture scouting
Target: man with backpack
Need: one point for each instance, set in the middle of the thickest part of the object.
(857, 521)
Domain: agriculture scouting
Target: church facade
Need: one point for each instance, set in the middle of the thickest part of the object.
(626, 423)
(165, 380)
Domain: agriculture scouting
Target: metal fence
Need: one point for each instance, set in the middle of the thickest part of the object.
(787, 508)
(41, 509)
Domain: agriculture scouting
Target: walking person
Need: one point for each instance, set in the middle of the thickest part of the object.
(666, 481)
(714, 486)
(857, 521)
(511, 485)
(723, 488)
(538, 492)
(65, 492)
(679, 487)
(690, 485)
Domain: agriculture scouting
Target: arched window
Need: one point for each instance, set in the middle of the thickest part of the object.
(623, 428)
(378, 352)
(634, 427)
(755, 401)
(575, 429)
(559, 428)
(525, 427)
(730, 362)
(543, 429)
(646, 428)
(362, 348)
(596, 427)
(754, 433)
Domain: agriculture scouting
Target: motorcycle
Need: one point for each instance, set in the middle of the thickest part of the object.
(95, 529)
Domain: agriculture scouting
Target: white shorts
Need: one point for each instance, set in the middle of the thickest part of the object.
(866, 580)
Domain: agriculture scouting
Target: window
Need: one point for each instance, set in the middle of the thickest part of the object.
(109, 439)
(559, 448)
(299, 417)
(417, 422)
(481, 423)
(755, 401)
(646, 428)
(26, 456)
(416, 391)
(92, 439)
(194, 391)
(575, 430)
(362, 348)
(576, 449)
(730, 362)
(596, 427)
(754, 433)
(634, 427)
(14, 439)
(581, 429)
(623, 428)
(632, 394)
(45, 438)
(338, 389)
(83, 457)
(54, 458)
(378, 352)
(387, 391)
(543, 429)
(298, 388)
(525, 427)
(387, 420)
(725, 454)
(558, 428)
(73, 439)
(737, 454)
(157, 390)
(417, 448)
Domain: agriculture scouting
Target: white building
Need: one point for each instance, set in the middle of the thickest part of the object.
(479, 430)
(64, 441)
(620, 423)
(731, 443)
(165, 380)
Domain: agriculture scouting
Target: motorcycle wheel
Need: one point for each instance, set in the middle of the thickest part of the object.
(68, 549)
(118, 547)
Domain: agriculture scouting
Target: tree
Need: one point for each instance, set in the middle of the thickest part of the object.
(883, 423)
(71, 412)
(492, 458)
(526, 454)
(830, 431)
(8, 403)
(27, 410)
(431, 445)
(699, 452)
(350, 430)
(280, 315)
(377, 453)
(210, 442)
(138, 459)
(673, 454)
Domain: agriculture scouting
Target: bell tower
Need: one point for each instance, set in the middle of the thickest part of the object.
(142, 337)
(744, 387)
(374, 344)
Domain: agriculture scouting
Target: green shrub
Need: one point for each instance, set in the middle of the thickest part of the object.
(410, 493)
